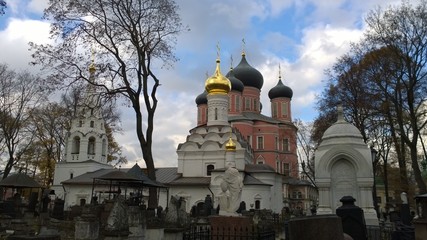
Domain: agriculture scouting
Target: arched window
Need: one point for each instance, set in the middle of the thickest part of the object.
(216, 113)
(91, 146)
(209, 169)
(76, 145)
(104, 147)
(92, 124)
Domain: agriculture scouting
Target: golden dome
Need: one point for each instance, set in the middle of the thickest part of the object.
(218, 83)
(92, 68)
(230, 146)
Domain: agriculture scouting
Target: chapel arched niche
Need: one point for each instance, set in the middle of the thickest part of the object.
(343, 181)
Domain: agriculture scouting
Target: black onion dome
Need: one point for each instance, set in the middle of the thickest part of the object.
(236, 84)
(202, 98)
(280, 90)
(248, 75)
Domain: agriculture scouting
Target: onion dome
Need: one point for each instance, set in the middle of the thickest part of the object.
(236, 84)
(248, 75)
(280, 90)
(218, 83)
(202, 98)
(230, 145)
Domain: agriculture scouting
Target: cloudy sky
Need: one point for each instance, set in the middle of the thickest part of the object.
(304, 36)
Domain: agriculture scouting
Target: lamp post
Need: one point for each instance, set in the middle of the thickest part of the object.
(374, 187)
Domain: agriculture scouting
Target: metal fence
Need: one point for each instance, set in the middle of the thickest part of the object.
(206, 232)
(382, 232)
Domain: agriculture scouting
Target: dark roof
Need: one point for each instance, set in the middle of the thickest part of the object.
(19, 180)
(167, 175)
(202, 98)
(280, 90)
(117, 175)
(258, 168)
(88, 177)
(138, 172)
(298, 182)
(252, 116)
(192, 181)
(248, 75)
(236, 84)
(249, 180)
(121, 175)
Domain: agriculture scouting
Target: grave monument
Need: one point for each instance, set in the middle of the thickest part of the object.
(343, 167)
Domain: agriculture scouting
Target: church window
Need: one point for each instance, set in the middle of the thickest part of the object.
(260, 142)
(229, 103)
(294, 194)
(91, 146)
(299, 195)
(92, 124)
(71, 175)
(209, 169)
(274, 109)
(284, 109)
(76, 145)
(216, 113)
(277, 143)
(80, 123)
(286, 169)
(247, 104)
(237, 103)
(286, 144)
(206, 114)
(255, 105)
(104, 147)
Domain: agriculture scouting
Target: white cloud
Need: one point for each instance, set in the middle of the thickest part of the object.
(15, 38)
(37, 6)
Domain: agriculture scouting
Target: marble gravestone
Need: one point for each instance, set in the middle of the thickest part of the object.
(343, 167)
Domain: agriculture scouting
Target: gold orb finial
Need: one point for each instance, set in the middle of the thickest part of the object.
(230, 146)
(218, 83)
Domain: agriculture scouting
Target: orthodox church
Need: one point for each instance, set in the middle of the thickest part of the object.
(85, 148)
(230, 132)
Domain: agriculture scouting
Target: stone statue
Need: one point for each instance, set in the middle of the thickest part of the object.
(231, 187)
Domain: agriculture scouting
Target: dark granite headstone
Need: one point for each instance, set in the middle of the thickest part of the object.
(319, 227)
(353, 221)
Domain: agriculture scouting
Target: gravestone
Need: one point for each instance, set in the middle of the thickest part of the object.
(353, 221)
(319, 227)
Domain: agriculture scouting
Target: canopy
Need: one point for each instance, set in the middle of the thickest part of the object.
(19, 180)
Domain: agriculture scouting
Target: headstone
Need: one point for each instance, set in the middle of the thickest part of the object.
(87, 225)
(319, 227)
(353, 221)
(118, 221)
(208, 206)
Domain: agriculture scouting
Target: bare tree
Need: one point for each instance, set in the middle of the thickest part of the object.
(3, 6)
(19, 92)
(130, 37)
(402, 31)
(306, 148)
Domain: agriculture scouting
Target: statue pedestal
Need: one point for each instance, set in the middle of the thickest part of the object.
(230, 227)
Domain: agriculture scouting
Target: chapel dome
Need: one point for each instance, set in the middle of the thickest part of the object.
(218, 83)
(280, 90)
(202, 98)
(342, 129)
(236, 84)
(248, 75)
